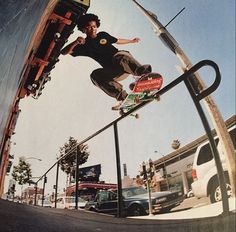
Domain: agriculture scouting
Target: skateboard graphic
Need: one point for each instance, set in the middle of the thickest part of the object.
(143, 90)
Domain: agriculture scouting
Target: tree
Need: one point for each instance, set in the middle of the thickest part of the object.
(175, 144)
(70, 149)
(22, 172)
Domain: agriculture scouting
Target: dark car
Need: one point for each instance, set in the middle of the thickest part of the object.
(135, 201)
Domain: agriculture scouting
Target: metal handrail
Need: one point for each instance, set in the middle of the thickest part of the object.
(196, 96)
(166, 88)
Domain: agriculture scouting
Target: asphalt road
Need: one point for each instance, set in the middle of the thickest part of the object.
(16, 217)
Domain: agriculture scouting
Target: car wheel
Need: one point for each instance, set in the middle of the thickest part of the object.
(136, 210)
(215, 194)
(190, 195)
(167, 209)
(92, 209)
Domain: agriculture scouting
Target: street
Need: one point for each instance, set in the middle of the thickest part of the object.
(25, 218)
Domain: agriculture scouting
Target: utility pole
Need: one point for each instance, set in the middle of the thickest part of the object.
(199, 85)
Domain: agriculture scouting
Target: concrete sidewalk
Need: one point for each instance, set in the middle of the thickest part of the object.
(211, 210)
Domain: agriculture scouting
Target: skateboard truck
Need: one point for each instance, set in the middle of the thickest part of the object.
(145, 89)
(136, 115)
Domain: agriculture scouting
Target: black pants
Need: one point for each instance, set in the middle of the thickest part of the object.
(123, 62)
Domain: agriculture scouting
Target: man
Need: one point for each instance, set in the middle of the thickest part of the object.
(115, 63)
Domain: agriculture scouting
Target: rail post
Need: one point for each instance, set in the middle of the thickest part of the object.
(56, 185)
(118, 169)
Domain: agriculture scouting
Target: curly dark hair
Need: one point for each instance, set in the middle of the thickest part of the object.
(84, 19)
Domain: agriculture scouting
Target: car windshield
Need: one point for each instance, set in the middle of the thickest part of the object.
(130, 192)
(72, 200)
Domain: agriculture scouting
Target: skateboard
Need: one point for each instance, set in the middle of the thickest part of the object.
(143, 90)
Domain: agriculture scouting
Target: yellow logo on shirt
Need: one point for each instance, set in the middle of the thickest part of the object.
(103, 41)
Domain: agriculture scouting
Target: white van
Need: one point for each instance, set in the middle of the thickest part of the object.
(204, 173)
(68, 202)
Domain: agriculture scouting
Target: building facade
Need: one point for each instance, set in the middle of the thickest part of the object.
(174, 171)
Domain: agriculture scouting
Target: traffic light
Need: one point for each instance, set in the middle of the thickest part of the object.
(151, 169)
(147, 171)
(142, 171)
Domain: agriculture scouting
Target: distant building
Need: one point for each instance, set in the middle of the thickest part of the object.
(129, 182)
(28, 195)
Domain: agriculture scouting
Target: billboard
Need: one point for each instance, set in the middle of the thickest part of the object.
(91, 173)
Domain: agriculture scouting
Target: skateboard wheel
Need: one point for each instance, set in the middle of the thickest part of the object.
(48, 78)
(121, 112)
(57, 36)
(158, 97)
(135, 115)
(34, 86)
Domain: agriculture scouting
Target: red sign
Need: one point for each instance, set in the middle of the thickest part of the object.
(151, 84)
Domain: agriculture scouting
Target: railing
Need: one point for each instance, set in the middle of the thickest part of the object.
(187, 78)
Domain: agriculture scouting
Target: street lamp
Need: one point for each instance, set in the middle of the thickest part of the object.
(33, 158)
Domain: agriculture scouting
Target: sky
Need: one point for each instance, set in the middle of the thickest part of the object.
(72, 106)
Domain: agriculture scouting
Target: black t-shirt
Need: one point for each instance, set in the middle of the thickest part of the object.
(99, 49)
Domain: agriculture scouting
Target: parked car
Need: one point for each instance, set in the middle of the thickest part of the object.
(46, 203)
(190, 193)
(204, 173)
(69, 202)
(135, 201)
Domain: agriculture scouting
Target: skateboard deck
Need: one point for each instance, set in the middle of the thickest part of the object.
(144, 90)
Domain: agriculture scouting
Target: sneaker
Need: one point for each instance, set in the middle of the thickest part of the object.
(132, 85)
(117, 106)
(122, 95)
(144, 69)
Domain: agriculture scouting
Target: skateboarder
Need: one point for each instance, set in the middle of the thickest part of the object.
(115, 63)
